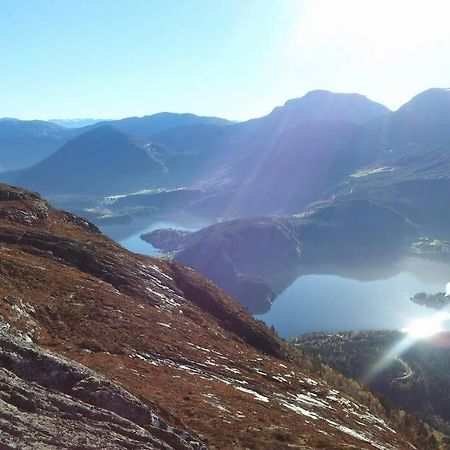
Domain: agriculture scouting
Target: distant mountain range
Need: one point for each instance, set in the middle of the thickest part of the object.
(75, 123)
(198, 147)
(24, 143)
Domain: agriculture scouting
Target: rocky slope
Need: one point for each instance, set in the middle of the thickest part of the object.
(49, 401)
(166, 346)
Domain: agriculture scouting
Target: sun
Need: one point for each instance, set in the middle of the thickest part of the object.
(423, 328)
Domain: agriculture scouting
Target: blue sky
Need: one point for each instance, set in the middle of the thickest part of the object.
(231, 58)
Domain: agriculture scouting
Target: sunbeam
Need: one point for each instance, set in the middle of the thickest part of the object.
(415, 331)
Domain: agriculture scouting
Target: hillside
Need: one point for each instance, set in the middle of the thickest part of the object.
(100, 162)
(416, 380)
(166, 346)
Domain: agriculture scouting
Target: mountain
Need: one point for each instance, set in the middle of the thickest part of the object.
(148, 126)
(274, 164)
(416, 381)
(424, 120)
(419, 125)
(25, 142)
(300, 153)
(321, 105)
(75, 123)
(99, 162)
(283, 171)
(288, 172)
(111, 349)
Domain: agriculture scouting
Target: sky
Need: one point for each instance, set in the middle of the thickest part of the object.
(236, 59)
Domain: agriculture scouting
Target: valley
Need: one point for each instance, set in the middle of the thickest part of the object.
(155, 354)
(224, 225)
(327, 215)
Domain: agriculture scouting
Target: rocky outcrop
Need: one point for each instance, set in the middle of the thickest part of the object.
(167, 239)
(50, 402)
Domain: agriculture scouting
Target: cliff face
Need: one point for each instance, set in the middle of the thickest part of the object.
(103, 348)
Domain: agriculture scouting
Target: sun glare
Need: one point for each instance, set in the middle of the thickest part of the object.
(423, 328)
(388, 29)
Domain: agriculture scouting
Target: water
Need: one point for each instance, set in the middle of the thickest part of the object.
(333, 303)
(130, 236)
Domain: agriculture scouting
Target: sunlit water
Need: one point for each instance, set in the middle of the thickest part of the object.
(333, 303)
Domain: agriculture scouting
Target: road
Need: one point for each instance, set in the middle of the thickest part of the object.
(407, 368)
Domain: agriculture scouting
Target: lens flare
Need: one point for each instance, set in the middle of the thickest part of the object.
(415, 331)
(424, 328)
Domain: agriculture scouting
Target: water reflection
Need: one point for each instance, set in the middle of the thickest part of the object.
(333, 303)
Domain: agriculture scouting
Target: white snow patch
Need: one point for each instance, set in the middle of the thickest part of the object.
(299, 410)
(255, 394)
(203, 349)
(160, 272)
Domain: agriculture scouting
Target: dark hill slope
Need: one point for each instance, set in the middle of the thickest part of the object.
(24, 143)
(419, 125)
(102, 161)
(168, 337)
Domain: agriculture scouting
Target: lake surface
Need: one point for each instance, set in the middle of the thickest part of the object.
(324, 302)
(334, 303)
